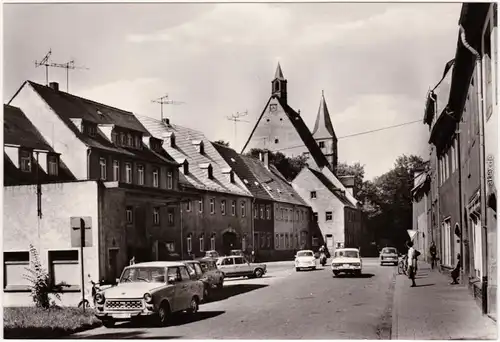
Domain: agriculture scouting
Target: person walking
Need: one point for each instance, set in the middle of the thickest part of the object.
(412, 261)
(433, 253)
(456, 271)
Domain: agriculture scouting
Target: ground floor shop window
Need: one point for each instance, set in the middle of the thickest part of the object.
(64, 268)
(446, 242)
(14, 269)
(475, 224)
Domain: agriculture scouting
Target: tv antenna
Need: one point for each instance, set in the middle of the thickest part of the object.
(165, 100)
(69, 65)
(236, 118)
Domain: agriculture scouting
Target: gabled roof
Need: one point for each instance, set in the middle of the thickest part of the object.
(184, 149)
(323, 127)
(333, 189)
(239, 166)
(18, 130)
(69, 107)
(273, 182)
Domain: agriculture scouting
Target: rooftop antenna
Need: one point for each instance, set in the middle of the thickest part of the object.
(236, 118)
(165, 100)
(45, 62)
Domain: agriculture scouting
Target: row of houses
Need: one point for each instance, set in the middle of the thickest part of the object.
(148, 189)
(455, 196)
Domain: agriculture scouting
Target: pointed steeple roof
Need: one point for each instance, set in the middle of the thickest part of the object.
(279, 74)
(323, 127)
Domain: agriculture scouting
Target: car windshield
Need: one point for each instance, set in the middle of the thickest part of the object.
(389, 251)
(305, 254)
(143, 274)
(346, 254)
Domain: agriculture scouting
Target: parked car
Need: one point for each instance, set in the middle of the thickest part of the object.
(389, 255)
(238, 266)
(210, 277)
(305, 259)
(347, 260)
(152, 289)
(213, 274)
(212, 254)
(237, 252)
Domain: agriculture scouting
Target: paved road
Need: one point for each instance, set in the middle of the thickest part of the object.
(284, 304)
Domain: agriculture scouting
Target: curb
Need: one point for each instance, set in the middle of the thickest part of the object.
(394, 334)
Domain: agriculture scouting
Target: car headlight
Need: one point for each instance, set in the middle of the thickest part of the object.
(148, 298)
(99, 298)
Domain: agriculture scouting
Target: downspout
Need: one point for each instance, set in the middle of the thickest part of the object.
(484, 235)
(252, 223)
(464, 235)
(89, 151)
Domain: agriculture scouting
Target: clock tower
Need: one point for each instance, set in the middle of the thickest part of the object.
(279, 84)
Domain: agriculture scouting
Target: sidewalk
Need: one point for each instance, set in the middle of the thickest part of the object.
(435, 310)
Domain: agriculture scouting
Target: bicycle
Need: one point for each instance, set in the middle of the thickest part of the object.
(403, 264)
(95, 289)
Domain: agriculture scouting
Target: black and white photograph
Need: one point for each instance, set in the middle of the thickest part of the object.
(249, 170)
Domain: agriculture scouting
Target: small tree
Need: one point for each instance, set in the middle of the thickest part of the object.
(40, 282)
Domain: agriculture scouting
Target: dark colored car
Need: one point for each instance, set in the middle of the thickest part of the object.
(206, 271)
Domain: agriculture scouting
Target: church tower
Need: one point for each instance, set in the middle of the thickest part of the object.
(279, 84)
(324, 134)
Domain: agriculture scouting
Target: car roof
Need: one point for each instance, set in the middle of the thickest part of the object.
(190, 261)
(305, 250)
(347, 249)
(157, 264)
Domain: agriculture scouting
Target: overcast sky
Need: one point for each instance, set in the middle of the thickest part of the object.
(375, 63)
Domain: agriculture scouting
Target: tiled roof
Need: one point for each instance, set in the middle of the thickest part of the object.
(239, 166)
(18, 130)
(274, 183)
(333, 189)
(184, 149)
(323, 127)
(69, 107)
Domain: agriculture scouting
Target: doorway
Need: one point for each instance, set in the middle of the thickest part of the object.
(229, 242)
(113, 263)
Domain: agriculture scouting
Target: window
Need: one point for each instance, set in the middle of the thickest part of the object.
(91, 130)
(200, 206)
(233, 208)
(286, 241)
(15, 264)
(223, 207)
(239, 261)
(276, 241)
(114, 137)
(321, 144)
(171, 217)
(315, 241)
(64, 267)
(262, 240)
(189, 245)
(156, 178)
(188, 206)
(446, 242)
(102, 165)
(269, 236)
(475, 223)
(140, 174)
(184, 274)
(170, 183)
(212, 242)
(156, 215)
(137, 142)
(261, 212)
(297, 216)
(276, 140)
(202, 243)
(227, 262)
(313, 194)
(282, 240)
(128, 173)
(244, 243)
(329, 216)
(268, 212)
(242, 208)
(116, 170)
(129, 214)
(315, 217)
(130, 141)
(212, 206)
(256, 240)
(122, 138)
(53, 164)
(255, 211)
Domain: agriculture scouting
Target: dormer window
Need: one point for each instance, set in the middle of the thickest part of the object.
(230, 174)
(138, 141)
(208, 168)
(91, 129)
(114, 137)
(185, 167)
(321, 144)
(122, 138)
(25, 160)
(52, 165)
(199, 145)
(130, 141)
(172, 140)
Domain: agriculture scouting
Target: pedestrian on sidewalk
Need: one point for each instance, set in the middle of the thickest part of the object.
(456, 271)
(412, 262)
(433, 252)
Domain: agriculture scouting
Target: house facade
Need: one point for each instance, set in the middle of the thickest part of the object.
(221, 218)
(420, 212)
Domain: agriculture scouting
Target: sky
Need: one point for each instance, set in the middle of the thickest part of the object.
(374, 61)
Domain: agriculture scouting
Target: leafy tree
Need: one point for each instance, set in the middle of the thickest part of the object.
(289, 167)
(222, 142)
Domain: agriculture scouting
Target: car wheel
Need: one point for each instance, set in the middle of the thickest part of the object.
(193, 306)
(108, 323)
(357, 273)
(164, 314)
(258, 273)
(313, 268)
(336, 273)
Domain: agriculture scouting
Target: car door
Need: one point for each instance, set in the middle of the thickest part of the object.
(242, 266)
(174, 279)
(186, 288)
(227, 266)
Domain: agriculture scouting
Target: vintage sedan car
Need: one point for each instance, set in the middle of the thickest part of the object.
(211, 276)
(347, 260)
(237, 252)
(150, 289)
(389, 255)
(238, 266)
(305, 259)
(212, 254)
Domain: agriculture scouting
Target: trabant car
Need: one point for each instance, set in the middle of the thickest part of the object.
(389, 255)
(238, 266)
(150, 289)
(211, 276)
(347, 260)
(305, 259)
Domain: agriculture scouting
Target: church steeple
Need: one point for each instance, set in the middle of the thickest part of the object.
(324, 133)
(279, 84)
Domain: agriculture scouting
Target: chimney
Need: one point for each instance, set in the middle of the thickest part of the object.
(166, 121)
(54, 85)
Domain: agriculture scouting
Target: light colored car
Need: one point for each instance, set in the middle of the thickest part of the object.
(389, 255)
(305, 259)
(347, 260)
(153, 289)
(212, 254)
(238, 266)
